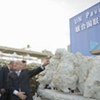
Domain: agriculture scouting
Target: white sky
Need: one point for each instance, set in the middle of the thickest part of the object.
(43, 24)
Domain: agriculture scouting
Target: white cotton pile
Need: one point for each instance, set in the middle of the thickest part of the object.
(65, 77)
(84, 65)
(60, 70)
(92, 85)
(68, 71)
(47, 75)
(35, 97)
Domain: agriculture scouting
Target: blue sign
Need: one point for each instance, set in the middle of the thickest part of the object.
(85, 30)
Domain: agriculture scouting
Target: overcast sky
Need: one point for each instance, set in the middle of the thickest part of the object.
(43, 24)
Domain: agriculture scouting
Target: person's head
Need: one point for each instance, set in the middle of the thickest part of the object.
(11, 64)
(18, 66)
(24, 64)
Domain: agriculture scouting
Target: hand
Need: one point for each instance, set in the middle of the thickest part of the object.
(0, 95)
(3, 91)
(21, 95)
(45, 62)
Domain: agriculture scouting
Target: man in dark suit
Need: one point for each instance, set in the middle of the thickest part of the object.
(3, 81)
(19, 81)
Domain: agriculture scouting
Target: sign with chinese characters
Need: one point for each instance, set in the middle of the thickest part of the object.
(85, 30)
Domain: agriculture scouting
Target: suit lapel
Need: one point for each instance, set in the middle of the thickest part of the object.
(14, 75)
(21, 75)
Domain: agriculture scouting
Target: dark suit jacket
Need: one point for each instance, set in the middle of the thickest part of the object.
(3, 82)
(1, 79)
(5, 71)
(22, 82)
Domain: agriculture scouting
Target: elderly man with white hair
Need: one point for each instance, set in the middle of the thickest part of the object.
(18, 80)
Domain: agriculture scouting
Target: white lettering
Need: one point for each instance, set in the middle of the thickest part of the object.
(78, 19)
(91, 14)
(83, 26)
(89, 23)
(77, 28)
(89, 20)
(95, 21)
(87, 14)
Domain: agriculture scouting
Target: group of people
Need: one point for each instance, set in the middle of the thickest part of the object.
(15, 80)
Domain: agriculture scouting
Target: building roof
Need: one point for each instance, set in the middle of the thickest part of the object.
(22, 52)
